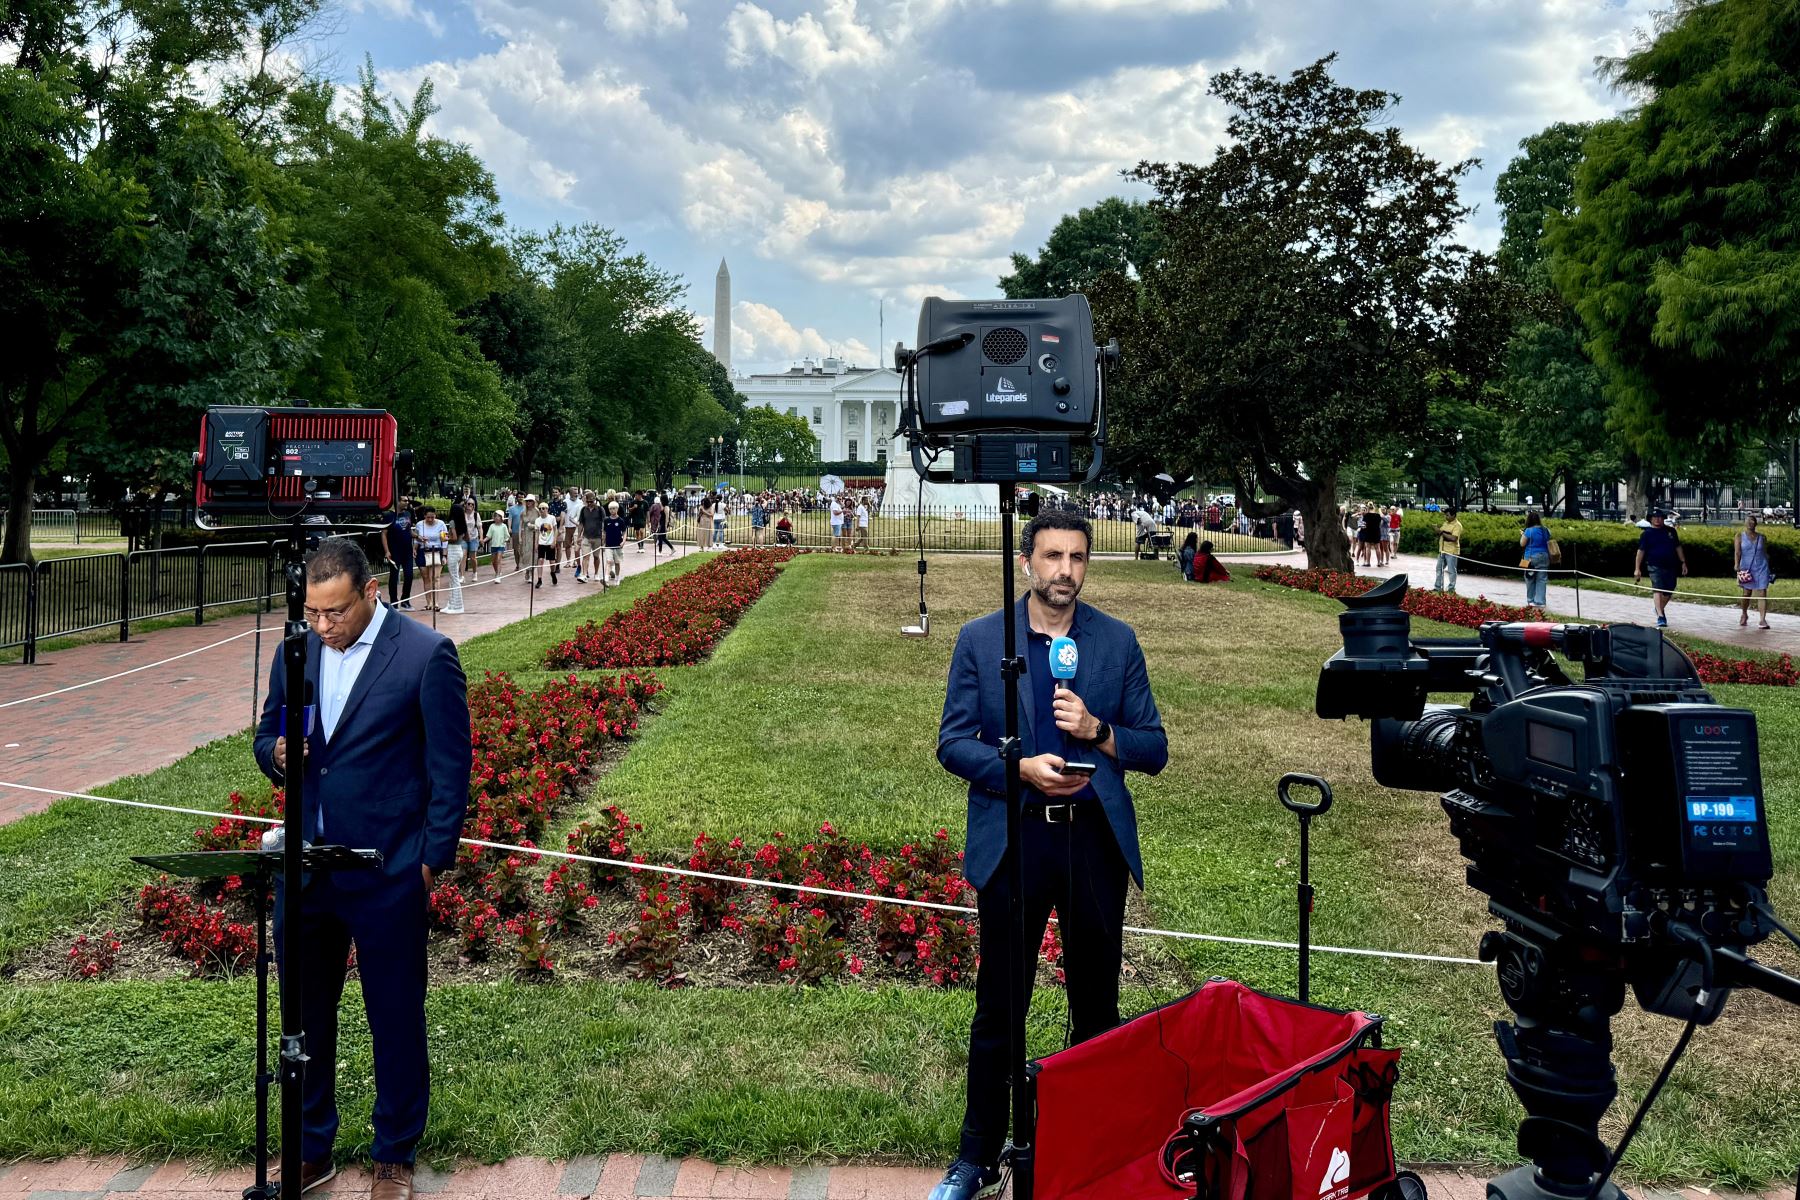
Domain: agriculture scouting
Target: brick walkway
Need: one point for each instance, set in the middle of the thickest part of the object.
(614, 1177)
(83, 739)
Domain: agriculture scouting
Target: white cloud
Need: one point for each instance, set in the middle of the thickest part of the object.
(405, 10)
(843, 150)
(809, 45)
(633, 17)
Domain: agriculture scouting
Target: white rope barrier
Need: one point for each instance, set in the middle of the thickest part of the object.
(775, 885)
(1718, 599)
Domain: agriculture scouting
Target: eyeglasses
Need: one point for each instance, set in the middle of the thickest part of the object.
(328, 616)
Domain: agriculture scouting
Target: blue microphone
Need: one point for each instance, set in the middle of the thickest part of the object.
(1064, 658)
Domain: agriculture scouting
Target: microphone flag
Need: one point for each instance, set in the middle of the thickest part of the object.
(1063, 658)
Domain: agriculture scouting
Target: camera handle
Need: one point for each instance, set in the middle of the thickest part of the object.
(1306, 812)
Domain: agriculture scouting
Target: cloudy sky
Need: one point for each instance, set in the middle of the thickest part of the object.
(839, 152)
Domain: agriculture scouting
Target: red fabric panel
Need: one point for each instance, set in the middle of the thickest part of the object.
(1106, 1107)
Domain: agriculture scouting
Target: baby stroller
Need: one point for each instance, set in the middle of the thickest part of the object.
(1225, 1094)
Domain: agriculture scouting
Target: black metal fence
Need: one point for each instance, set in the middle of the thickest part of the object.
(946, 528)
(64, 596)
(63, 525)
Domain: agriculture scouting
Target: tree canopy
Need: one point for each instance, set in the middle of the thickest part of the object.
(1679, 252)
(1297, 309)
(184, 224)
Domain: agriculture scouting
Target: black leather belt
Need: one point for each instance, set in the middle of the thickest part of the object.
(1055, 814)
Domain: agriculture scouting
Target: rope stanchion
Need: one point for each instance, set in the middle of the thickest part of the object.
(772, 884)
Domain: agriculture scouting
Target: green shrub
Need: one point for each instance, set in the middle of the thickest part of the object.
(1598, 547)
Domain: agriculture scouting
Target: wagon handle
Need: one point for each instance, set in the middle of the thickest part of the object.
(1298, 807)
(1306, 812)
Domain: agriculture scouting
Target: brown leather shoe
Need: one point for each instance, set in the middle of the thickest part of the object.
(312, 1174)
(393, 1181)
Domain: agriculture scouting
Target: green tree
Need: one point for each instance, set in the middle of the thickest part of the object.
(775, 443)
(1555, 399)
(1115, 236)
(140, 268)
(405, 228)
(1295, 311)
(1678, 251)
(522, 331)
(651, 399)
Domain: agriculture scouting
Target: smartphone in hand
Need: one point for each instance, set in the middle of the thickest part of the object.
(1077, 768)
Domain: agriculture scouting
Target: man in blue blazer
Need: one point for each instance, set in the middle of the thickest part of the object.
(386, 768)
(1079, 834)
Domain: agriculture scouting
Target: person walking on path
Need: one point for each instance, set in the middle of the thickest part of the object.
(515, 526)
(457, 553)
(499, 534)
(1659, 549)
(759, 521)
(1449, 549)
(1535, 544)
(658, 527)
(640, 513)
(1750, 561)
(593, 525)
(389, 769)
(544, 528)
(429, 535)
(400, 555)
(612, 534)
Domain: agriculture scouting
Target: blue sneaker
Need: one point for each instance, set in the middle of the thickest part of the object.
(967, 1181)
(1662, 622)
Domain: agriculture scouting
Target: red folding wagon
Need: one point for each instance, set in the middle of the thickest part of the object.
(1225, 1094)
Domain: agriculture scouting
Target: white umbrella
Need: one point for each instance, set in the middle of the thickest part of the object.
(1052, 489)
(830, 485)
(1166, 478)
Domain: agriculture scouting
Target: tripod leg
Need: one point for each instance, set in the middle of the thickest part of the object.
(261, 1190)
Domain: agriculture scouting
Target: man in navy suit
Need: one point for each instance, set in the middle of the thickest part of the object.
(1079, 835)
(386, 768)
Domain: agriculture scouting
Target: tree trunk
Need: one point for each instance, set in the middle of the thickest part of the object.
(17, 548)
(1571, 495)
(1637, 487)
(1326, 544)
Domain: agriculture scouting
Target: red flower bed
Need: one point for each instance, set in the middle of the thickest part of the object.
(1714, 669)
(803, 937)
(530, 748)
(1458, 610)
(1420, 602)
(681, 621)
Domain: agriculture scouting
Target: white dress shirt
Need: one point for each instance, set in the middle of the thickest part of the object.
(338, 671)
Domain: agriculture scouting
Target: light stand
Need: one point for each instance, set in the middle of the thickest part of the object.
(1022, 1155)
(293, 1035)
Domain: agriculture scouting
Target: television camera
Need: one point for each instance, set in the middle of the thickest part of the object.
(1617, 825)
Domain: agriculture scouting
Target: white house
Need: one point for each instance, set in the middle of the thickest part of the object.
(852, 410)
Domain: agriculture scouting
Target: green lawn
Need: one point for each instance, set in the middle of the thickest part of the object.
(816, 709)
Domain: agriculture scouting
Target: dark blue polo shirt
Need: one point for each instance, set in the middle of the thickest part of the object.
(1047, 737)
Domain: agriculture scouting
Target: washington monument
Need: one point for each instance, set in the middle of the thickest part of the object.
(722, 316)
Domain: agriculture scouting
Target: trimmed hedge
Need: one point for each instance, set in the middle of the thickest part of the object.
(1598, 547)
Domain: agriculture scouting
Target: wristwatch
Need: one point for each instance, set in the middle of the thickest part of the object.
(1101, 734)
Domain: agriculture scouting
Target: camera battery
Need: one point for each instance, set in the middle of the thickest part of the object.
(1694, 804)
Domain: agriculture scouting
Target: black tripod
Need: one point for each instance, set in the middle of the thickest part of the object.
(1558, 1047)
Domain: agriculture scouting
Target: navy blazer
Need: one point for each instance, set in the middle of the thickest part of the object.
(1112, 681)
(394, 777)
